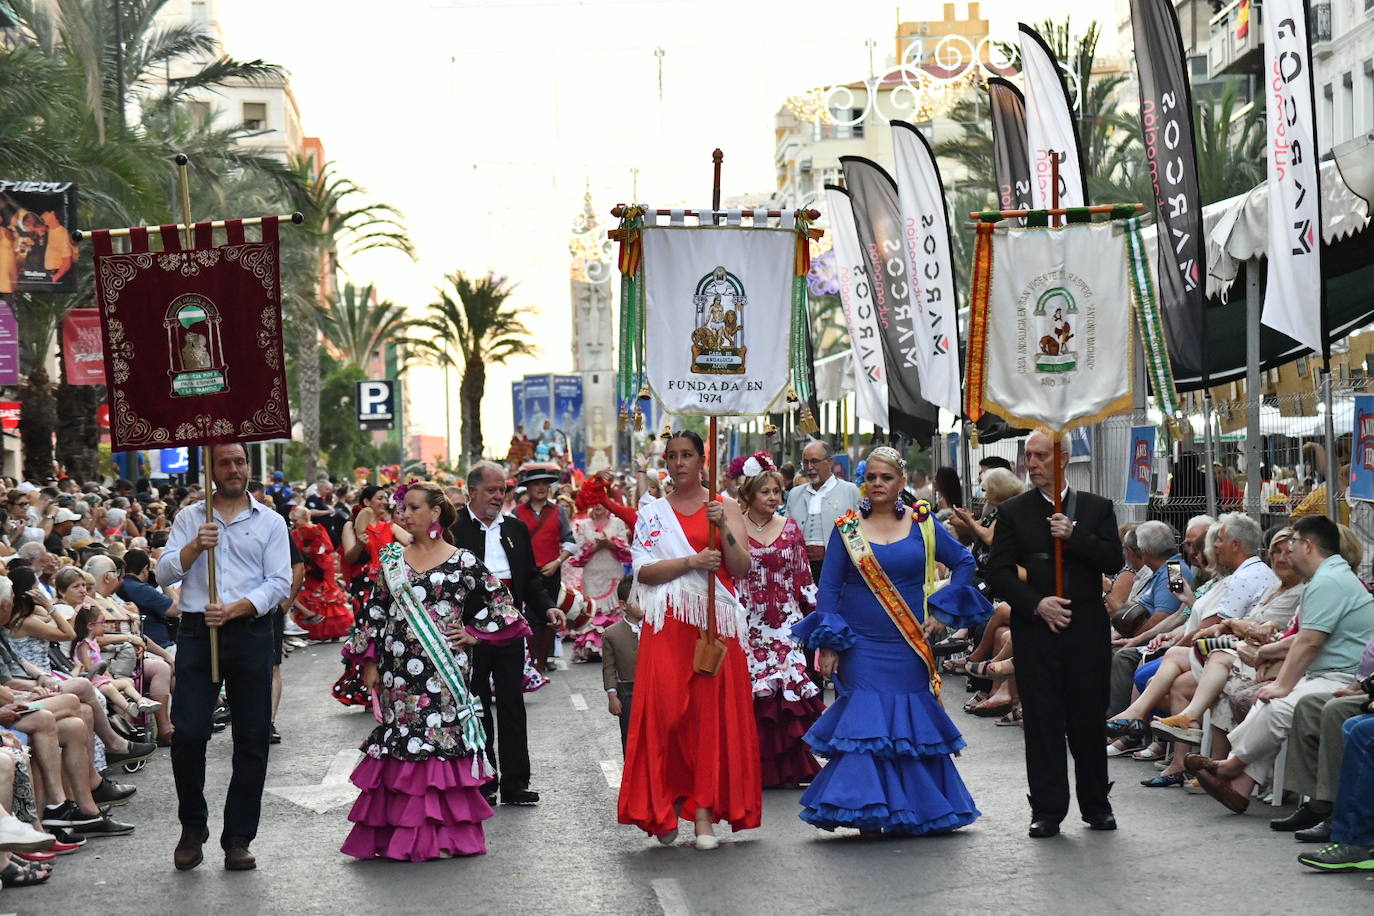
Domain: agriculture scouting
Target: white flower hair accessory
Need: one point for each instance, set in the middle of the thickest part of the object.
(757, 463)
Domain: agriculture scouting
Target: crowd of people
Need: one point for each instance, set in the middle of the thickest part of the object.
(1237, 662)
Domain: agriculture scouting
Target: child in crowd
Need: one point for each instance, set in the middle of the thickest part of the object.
(619, 651)
(85, 649)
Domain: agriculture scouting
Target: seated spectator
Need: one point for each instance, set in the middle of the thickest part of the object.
(1352, 822)
(1158, 548)
(1183, 683)
(152, 604)
(1336, 622)
(1315, 751)
(123, 628)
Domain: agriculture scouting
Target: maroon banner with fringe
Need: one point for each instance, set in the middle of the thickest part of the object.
(193, 338)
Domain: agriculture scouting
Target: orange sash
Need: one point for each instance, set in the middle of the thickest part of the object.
(878, 582)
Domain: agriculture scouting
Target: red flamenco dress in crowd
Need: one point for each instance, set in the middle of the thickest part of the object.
(321, 595)
(778, 593)
(349, 688)
(692, 740)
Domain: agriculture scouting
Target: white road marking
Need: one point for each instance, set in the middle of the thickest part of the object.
(671, 898)
(611, 770)
(331, 792)
(579, 702)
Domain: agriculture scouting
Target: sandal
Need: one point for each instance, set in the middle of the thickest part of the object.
(1011, 718)
(23, 874)
(998, 709)
(1153, 752)
(951, 645)
(1126, 728)
(1171, 781)
(974, 700)
(954, 666)
(979, 670)
(1129, 747)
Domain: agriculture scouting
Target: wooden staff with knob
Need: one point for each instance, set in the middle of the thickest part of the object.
(206, 451)
(710, 650)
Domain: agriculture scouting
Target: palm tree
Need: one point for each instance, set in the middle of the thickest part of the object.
(338, 222)
(475, 317)
(355, 327)
(1230, 149)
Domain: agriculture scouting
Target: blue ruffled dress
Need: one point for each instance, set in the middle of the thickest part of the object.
(887, 737)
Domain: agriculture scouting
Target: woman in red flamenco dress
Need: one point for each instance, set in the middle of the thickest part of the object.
(326, 611)
(692, 750)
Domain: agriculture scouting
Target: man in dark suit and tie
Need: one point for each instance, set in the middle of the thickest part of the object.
(1063, 644)
(503, 545)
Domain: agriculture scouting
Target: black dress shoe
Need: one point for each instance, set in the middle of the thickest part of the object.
(1104, 822)
(273, 736)
(1304, 817)
(1318, 833)
(1039, 829)
(520, 797)
(489, 793)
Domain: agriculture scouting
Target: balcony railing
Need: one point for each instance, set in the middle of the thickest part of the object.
(1237, 41)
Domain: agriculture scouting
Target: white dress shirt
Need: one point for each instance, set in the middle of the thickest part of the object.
(253, 559)
(496, 561)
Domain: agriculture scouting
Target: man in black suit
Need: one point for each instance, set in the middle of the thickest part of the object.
(503, 545)
(1063, 644)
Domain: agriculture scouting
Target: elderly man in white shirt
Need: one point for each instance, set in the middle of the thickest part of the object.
(816, 505)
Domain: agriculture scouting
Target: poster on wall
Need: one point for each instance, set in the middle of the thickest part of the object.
(1362, 460)
(82, 350)
(517, 404)
(538, 411)
(37, 254)
(9, 345)
(568, 418)
(1140, 466)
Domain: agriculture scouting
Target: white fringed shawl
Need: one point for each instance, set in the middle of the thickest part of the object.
(659, 536)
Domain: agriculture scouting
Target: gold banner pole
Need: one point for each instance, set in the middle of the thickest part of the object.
(187, 242)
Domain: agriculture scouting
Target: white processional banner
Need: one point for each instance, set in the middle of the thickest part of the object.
(1293, 283)
(718, 305)
(860, 315)
(1058, 347)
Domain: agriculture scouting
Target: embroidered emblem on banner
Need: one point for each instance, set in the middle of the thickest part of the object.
(719, 301)
(1054, 307)
(195, 354)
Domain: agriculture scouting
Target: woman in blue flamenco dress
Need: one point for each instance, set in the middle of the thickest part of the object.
(887, 738)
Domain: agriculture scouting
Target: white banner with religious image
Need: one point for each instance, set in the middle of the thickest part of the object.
(1059, 347)
(1293, 283)
(717, 316)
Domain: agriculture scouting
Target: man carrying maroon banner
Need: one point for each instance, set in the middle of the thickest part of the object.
(253, 576)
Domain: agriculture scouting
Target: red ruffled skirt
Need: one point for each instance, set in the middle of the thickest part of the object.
(693, 742)
(786, 758)
(328, 600)
(417, 810)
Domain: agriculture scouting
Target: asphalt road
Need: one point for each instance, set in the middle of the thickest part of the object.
(1174, 852)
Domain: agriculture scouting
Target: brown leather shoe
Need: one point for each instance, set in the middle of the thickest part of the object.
(1221, 789)
(237, 857)
(1197, 763)
(188, 853)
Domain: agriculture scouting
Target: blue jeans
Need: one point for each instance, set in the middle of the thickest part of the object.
(246, 653)
(1352, 821)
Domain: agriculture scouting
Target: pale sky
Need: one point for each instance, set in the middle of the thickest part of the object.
(484, 121)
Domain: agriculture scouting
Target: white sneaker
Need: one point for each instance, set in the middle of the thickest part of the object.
(292, 628)
(707, 841)
(147, 705)
(17, 836)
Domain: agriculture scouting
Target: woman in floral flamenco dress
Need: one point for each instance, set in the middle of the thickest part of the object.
(777, 593)
(424, 763)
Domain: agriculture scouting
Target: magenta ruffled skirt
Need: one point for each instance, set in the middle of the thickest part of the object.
(415, 811)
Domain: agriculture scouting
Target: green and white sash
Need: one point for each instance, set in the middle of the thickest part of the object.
(435, 646)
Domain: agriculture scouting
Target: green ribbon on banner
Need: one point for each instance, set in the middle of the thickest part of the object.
(1151, 324)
